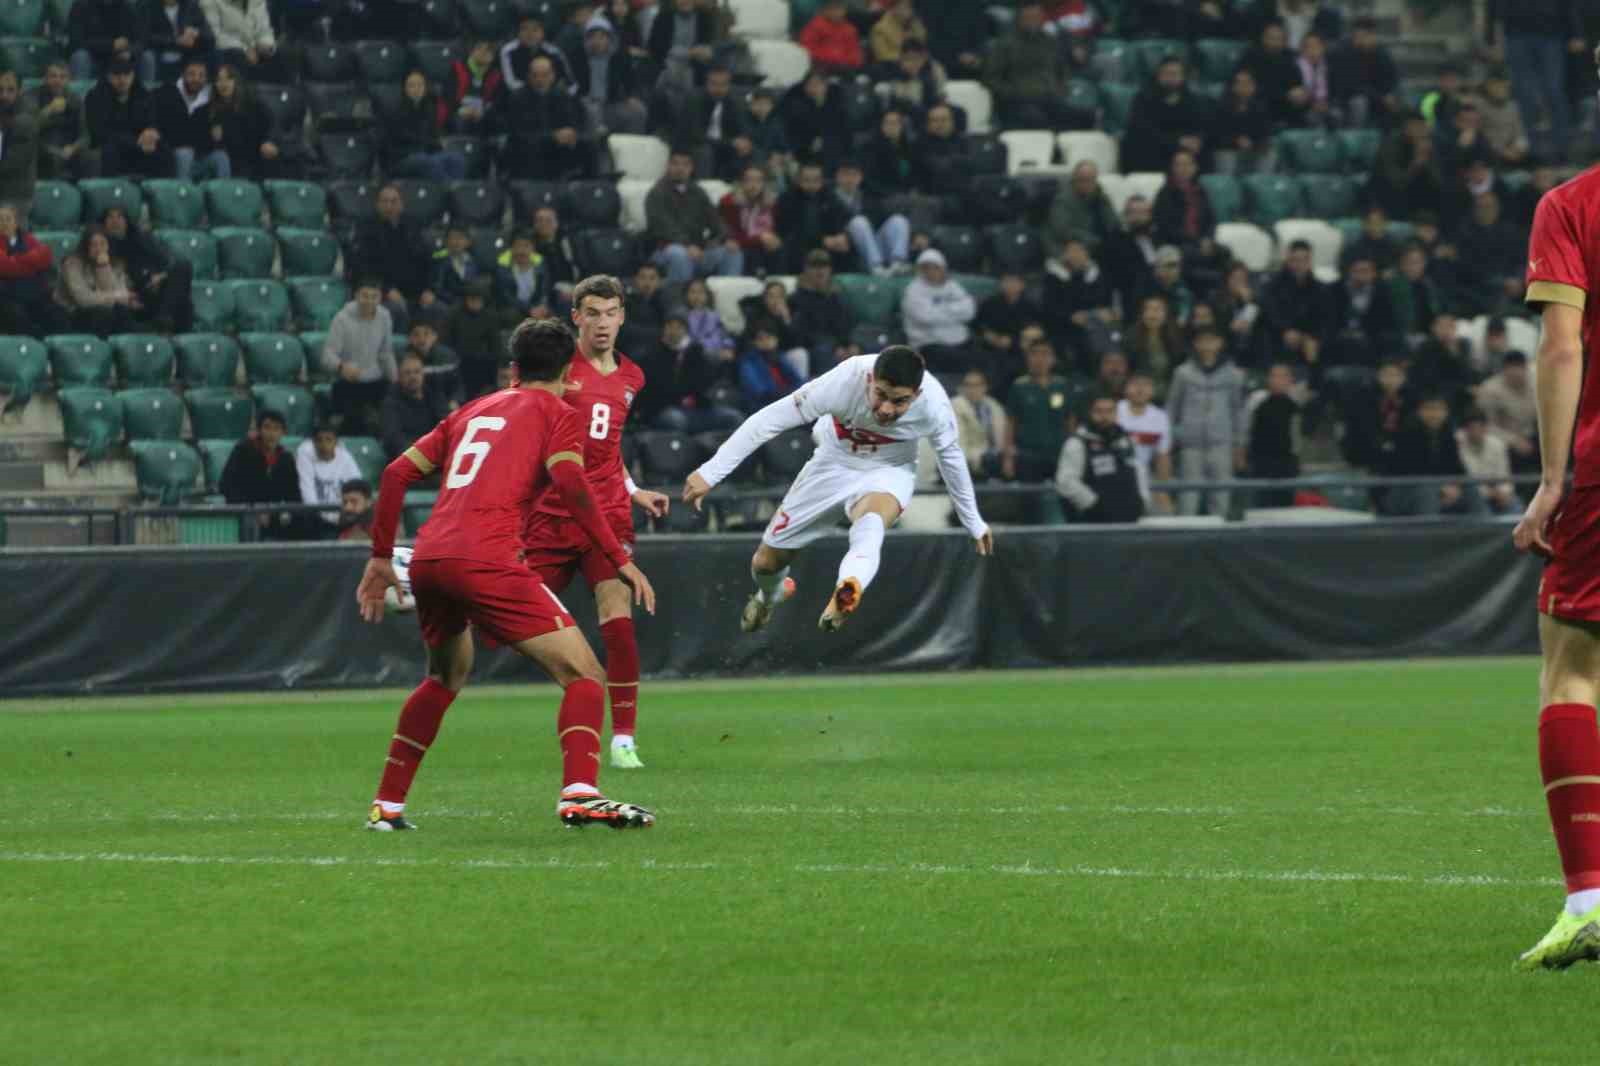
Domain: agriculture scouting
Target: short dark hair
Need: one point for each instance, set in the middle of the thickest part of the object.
(369, 282)
(1203, 332)
(325, 427)
(1474, 414)
(899, 366)
(356, 484)
(1433, 397)
(1300, 246)
(1496, 324)
(269, 415)
(600, 286)
(1514, 358)
(523, 235)
(542, 348)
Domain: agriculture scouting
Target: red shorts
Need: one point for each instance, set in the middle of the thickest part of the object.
(1570, 587)
(504, 603)
(556, 549)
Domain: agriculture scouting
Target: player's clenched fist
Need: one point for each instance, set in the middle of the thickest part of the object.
(695, 490)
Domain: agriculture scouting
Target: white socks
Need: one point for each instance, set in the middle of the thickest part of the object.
(770, 586)
(866, 545)
(391, 808)
(1581, 903)
(621, 741)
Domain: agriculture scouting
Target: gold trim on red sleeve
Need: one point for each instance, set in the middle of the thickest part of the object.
(1554, 292)
(423, 463)
(563, 457)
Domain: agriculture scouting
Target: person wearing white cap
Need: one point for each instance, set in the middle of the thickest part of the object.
(935, 310)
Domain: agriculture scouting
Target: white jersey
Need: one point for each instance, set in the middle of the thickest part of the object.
(848, 436)
(1151, 431)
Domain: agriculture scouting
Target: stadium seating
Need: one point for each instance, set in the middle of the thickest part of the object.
(1083, 95)
(725, 296)
(783, 456)
(434, 58)
(381, 61)
(487, 247)
(259, 304)
(1310, 151)
(781, 64)
(60, 242)
(174, 203)
(493, 20)
(528, 196)
(351, 203)
(872, 299)
(326, 62)
(24, 365)
(316, 300)
(296, 203)
(213, 306)
(291, 401)
(1014, 248)
(633, 192)
(273, 358)
(1329, 195)
(764, 20)
(91, 420)
(668, 458)
(715, 189)
(206, 359)
(244, 252)
(1091, 145)
(285, 106)
(1226, 196)
(606, 252)
(1249, 244)
(151, 414)
(214, 455)
(1116, 103)
(220, 413)
(591, 205)
(27, 57)
(975, 99)
(368, 454)
(425, 201)
(196, 247)
(961, 246)
(79, 359)
(168, 471)
(233, 202)
(996, 198)
(102, 194)
(143, 359)
(1269, 198)
(1028, 149)
(56, 204)
(24, 18)
(639, 157)
(1217, 58)
(349, 153)
(307, 251)
(1360, 149)
(476, 203)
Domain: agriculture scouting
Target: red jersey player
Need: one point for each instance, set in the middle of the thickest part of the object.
(499, 454)
(1563, 526)
(602, 384)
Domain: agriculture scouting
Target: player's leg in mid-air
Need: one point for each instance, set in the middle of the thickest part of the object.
(448, 666)
(769, 569)
(613, 601)
(566, 656)
(870, 519)
(1569, 761)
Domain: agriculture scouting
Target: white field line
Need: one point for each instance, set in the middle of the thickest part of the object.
(355, 814)
(814, 869)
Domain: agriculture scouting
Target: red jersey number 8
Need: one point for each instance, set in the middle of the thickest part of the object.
(600, 421)
(471, 453)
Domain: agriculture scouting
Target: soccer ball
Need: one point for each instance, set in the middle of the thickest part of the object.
(399, 599)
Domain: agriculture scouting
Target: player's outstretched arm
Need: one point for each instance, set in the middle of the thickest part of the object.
(655, 504)
(958, 483)
(567, 475)
(411, 466)
(1557, 386)
(777, 417)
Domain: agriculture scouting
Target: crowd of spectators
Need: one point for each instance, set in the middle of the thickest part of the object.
(1120, 341)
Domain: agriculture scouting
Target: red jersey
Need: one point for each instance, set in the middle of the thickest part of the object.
(601, 402)
(1563, 264)
(495, 453)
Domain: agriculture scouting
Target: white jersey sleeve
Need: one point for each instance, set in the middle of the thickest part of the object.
(825, 395)
(946, 439)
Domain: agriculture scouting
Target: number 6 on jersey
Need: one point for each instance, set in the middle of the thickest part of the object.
(472, 452)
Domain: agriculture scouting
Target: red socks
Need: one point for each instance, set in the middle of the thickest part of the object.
(419, 724)
(1569, 759)
(622, 674)
(583, 715)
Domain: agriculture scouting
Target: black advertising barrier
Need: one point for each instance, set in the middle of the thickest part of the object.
(275, 616)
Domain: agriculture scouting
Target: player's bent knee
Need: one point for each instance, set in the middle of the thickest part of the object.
(1571, 671)
(769, 560)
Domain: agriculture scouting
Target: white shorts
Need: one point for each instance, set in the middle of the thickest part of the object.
(827, 490)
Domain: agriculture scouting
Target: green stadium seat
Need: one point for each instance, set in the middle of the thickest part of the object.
(21, 18)
(144, 360)
(1270, 198)
(307, 251)
(56, 204)
(196, 247)
(382, 62)
(291, 401)
(102, 194)
(435, 58)
(214, 454)
(259, 304)
(872, 299)
(91, 419)
(1216, 58)
(244, 252)
(273, 358)
(174, 203)
(1349, 229)
(316, 300)
(219, 413)
(233, 202)
(1083, 95)
(1360, 149)
(979, 286)
(168, 471)
(368, 454)
(79, 359)
(491, 19)
(1116, 102)
(322, 396)
(1145, 56)
(24, 364)
(418, 506)
(1328, 195)
(313, 340)
(151, 414)
(206, 359)
(1226, 195)
(27, 57)
(1311, 152)
(208, 529)
(297, 203)
(61, 242)
(1110, 62)
(213, 306)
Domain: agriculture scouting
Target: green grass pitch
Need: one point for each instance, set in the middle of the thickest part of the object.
(1307, 864)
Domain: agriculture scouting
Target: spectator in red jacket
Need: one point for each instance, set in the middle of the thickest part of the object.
(473, 88)
(833, 40)
(26, 307)
(749, 217)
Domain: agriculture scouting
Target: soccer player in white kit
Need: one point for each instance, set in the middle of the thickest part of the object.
(869, 413)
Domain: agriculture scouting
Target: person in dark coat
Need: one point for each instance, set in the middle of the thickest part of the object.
(173, 32)
(97, 32)
(19, 144)
(1166, 116)
(1096, 476)
(809, 216)
(684, 39)
(1277, 74)
(63, 130)
(180, 113)
(411, 409)
(261, 470)
(1182, 211)
(713, 126)
(391, 249)
(411, 145)
(162, 281)
(1362, 326)
(117, 111)
(545, 128)
(241, 127)
(889, 159)
(473, 329)
(1427, 447)
(814, 121)
(681, 375)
